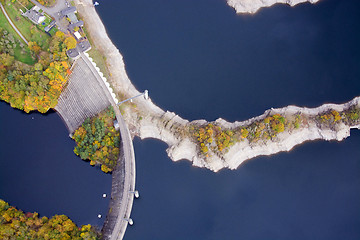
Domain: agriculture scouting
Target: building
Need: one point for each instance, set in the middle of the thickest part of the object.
(34, 15)
(50, 26)
(73, 26)
(77, 36)
(82, 46)
(73, 53)
(70, 13)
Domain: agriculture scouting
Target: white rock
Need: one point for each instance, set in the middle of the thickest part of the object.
(252, 6)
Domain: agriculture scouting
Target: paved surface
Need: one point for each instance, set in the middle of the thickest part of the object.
(123, 179)
(85, 94)
(122, 184)
(12, 24)
(121, 199)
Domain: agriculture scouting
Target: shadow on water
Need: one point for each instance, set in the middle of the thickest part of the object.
(39, 171)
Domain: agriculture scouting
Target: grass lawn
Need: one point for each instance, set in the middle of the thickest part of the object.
(99, 60)
(53, 30)
(97, 56)
(30, 31)
(45, 23)
(25, 58)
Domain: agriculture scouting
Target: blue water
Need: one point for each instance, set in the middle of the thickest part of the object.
(201, 60)
(310, 193)
(40, 173)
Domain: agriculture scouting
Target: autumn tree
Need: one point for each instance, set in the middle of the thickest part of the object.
(33, 46)
(98, 141)
(70, 42)
(15, 224)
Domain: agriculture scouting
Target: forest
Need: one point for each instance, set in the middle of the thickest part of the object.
(15, 224)
(98, 141)
(33, 87)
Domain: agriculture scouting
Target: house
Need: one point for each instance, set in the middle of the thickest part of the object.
(73, 26)
(68, 10)
(70, 13)
(82, 46)
(77, 36)
(50, 26)
(34, 15)
(73, 53)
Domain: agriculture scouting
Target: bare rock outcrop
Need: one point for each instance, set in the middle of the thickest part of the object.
(252, 6)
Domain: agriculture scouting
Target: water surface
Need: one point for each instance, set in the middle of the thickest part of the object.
(40, 173)
(201, 60)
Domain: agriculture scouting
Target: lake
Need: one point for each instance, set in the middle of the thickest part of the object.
(40, 173)
(202, 61)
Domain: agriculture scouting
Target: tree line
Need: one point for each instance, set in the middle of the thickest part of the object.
(15, 224)
(36, 87)
(98, 141)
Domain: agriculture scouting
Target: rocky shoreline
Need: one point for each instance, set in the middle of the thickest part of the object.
(146, 120)
(285, 141)
(252, 6)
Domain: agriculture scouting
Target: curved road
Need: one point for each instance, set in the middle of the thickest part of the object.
(124, 206)
(129, 183)
(129, 165)
(12, 24)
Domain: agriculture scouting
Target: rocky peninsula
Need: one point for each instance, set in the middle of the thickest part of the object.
(252, 6)
(218, 144)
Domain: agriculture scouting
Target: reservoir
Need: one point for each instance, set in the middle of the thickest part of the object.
(40, 173)
(201, 60)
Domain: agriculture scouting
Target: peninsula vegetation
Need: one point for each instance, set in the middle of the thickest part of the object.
(98, 141)
(15, 224)
(32, 76)
(212, 138)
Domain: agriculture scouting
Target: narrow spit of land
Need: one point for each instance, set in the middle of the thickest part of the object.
(252, 6)
(146, 120)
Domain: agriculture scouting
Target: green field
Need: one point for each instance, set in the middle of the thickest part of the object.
(98, 58)
(19, 54)
(30, 31)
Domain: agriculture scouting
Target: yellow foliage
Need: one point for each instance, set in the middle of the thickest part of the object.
(70, 42)
(244, 132)
(59, 34)
(65, 65)
(267, 120)
(336, 115)
(105, 169)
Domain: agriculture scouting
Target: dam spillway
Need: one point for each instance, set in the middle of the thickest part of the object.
(84, 97)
